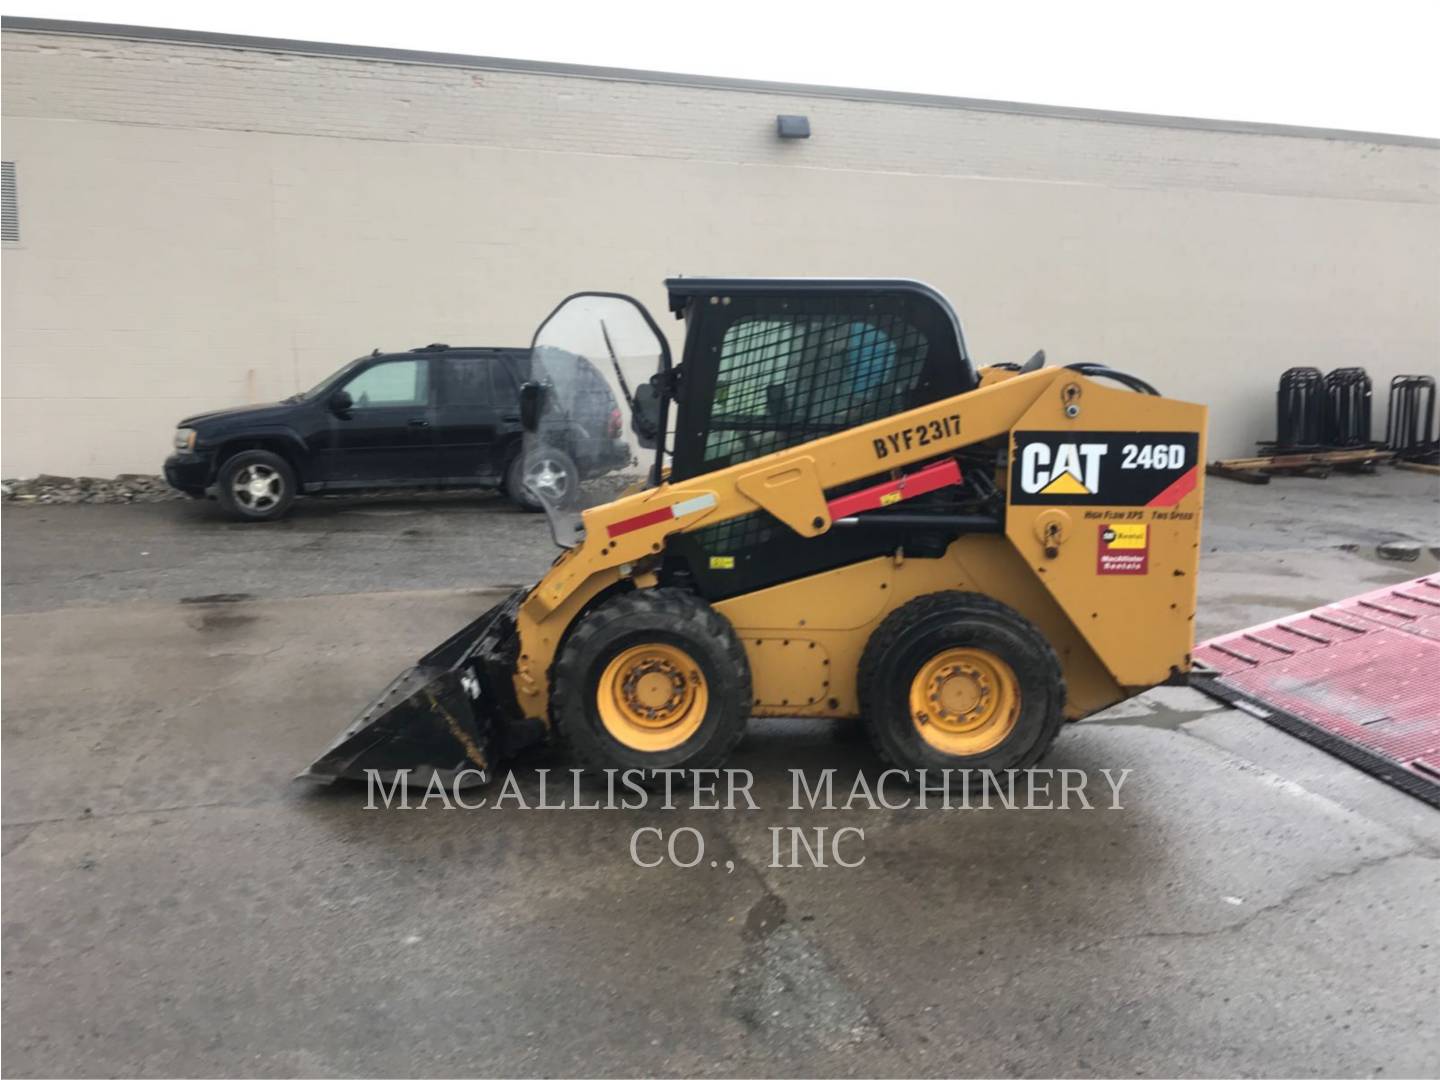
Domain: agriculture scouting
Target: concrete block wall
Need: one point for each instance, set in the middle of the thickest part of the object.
(208, 224)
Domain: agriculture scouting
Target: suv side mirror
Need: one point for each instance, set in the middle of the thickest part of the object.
(532, 404)
(645, 420)
(341, 402)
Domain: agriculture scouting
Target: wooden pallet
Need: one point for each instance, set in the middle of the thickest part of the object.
(1319, 464)
(1418, 466)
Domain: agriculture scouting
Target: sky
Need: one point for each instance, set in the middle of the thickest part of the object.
(1367, 65)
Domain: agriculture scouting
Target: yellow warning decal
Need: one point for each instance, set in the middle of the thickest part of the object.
(1065, 484)
(722, 562)
(891, 497)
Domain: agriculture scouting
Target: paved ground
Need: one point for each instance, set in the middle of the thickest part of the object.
(85, 555)
(174, 905)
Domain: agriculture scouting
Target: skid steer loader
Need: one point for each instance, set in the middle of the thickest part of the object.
(832, 513)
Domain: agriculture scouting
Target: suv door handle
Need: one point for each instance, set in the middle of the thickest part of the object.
(419, 421)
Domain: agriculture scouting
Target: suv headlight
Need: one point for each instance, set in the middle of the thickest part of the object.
(185, 438)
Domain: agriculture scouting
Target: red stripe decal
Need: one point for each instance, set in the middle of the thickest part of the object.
(1178, 490)
(654, 517)
(932, 478)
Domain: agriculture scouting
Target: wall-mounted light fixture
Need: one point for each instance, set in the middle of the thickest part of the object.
(792, 127)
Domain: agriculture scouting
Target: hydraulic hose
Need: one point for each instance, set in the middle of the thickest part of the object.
(1100, 371)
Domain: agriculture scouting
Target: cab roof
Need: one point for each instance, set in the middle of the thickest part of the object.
(682, 290)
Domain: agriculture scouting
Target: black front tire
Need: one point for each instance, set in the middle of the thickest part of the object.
(256, 485)
(928, 626)
(668, 617)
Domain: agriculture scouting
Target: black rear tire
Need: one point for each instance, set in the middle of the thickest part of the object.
(672, 620)
(951, 623)
(255, 485)
(546, 461)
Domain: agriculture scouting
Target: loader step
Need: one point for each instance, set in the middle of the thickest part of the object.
(1355, 678)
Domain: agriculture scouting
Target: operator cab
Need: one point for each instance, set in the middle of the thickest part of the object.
(768, 364)
(774, 362)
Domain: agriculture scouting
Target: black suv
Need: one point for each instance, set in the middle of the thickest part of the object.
(431, 417)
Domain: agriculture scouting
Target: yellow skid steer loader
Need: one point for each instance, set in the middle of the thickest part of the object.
(828, 512)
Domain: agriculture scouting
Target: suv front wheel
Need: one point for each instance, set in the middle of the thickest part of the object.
(256, 485)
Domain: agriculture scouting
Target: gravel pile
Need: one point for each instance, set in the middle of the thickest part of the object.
(142, 488)
(125, 488)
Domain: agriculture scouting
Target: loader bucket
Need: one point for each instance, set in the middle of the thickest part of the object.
(453, 712)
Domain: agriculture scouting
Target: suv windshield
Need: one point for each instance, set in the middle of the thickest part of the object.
(594, 357)
(334, 376)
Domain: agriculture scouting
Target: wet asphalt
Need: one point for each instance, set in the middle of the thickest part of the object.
(175, 905)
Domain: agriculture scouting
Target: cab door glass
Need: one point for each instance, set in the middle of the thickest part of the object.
(782, 381)
(396, 383)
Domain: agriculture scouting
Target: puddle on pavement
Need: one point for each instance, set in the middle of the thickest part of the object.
(1426, 561)
(222, 620)
(1151, 710)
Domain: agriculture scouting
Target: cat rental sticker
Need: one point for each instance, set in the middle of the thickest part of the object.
(1124, 549)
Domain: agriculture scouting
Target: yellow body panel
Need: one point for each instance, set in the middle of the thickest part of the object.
(1141, 625)
(839, 610)
(1115, 633)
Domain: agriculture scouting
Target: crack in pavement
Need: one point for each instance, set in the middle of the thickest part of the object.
(14, 837)
(1167, 718)
(1299, 892)
(181, 808)
(1250, 765)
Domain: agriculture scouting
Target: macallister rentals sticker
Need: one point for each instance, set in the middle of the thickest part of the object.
(1124, 549)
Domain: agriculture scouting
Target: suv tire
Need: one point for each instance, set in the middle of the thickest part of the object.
(548, 465)
(256, 485)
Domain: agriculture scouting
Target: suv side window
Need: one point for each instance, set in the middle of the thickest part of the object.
(391, 383)
(471, 380)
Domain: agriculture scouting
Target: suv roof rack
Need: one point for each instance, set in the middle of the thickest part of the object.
(442, 347)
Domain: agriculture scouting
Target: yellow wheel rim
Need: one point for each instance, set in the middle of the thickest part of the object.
(964, 702)
(652, 697)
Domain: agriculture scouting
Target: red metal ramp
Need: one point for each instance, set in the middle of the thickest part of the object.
(1359, 678)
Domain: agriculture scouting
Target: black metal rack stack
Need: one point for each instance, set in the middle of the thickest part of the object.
(1299, 410)
(1410, 427)
(1348, 396)
(1323, 423)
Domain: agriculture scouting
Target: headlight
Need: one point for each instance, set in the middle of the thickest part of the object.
(185, 438)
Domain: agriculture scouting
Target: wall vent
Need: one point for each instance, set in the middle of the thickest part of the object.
(9, 208)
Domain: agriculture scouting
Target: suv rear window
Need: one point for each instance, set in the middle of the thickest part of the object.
(472, 380)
